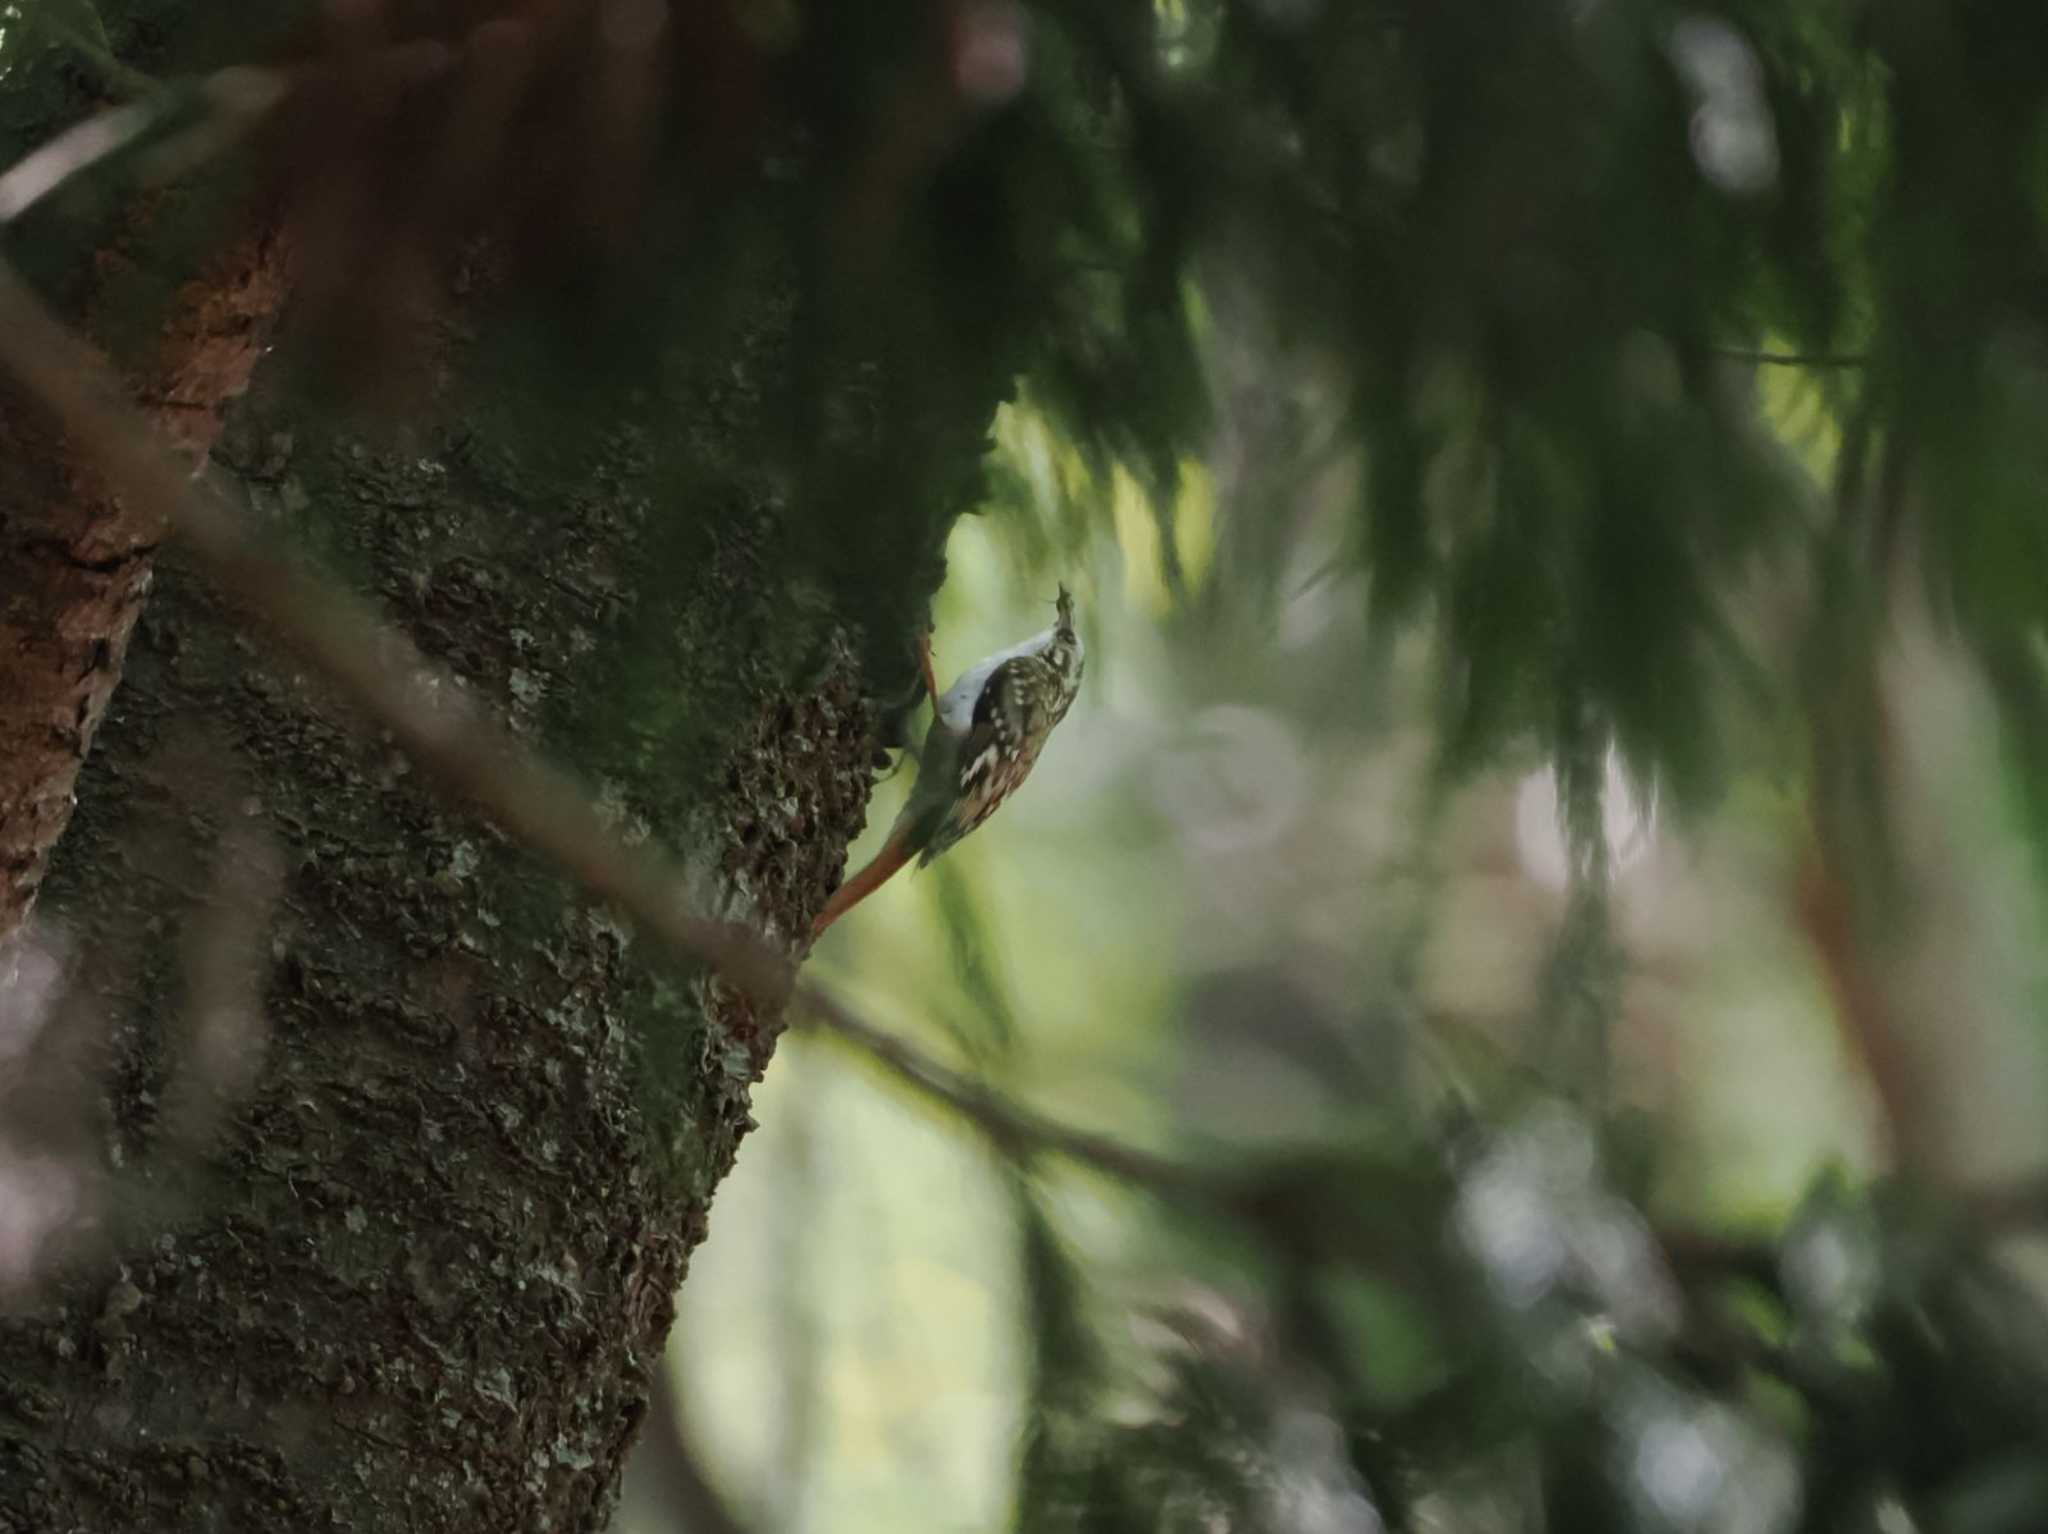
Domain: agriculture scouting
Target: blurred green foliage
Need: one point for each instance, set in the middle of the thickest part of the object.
(1648, 366)
(1642, 364)
(1395, 1290)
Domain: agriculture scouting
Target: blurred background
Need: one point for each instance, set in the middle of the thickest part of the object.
(1244, 916)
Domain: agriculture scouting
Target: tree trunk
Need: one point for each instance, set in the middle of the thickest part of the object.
(74, 562)
(362, 1206)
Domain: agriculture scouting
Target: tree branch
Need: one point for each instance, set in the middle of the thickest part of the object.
(1013, 1129)
(467, 753)
(75, 560)
(432, 719)
(1792, 359)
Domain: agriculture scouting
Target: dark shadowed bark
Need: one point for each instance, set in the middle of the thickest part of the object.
(356, 1157)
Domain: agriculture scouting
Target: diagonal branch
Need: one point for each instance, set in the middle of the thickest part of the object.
(467, 753)
(1015, 1130)
(75, 559)
(1761, 358)
(454, 740)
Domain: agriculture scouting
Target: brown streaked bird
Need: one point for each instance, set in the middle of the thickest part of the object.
(987, 730)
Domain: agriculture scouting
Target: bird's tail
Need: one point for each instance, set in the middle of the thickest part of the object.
(894, 854)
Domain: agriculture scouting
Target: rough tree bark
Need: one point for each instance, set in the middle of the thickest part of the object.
(75, 563)
(419, 1271)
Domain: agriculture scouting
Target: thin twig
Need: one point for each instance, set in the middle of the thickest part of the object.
(432, 719)
(1015, 1130)
(2018, 1204)
(1792, 359)
(231, 103)
(1861, 1006)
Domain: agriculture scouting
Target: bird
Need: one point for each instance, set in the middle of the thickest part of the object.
(986, 733)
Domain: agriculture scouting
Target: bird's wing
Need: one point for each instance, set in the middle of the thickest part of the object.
(1000, 744)
(957, 708)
